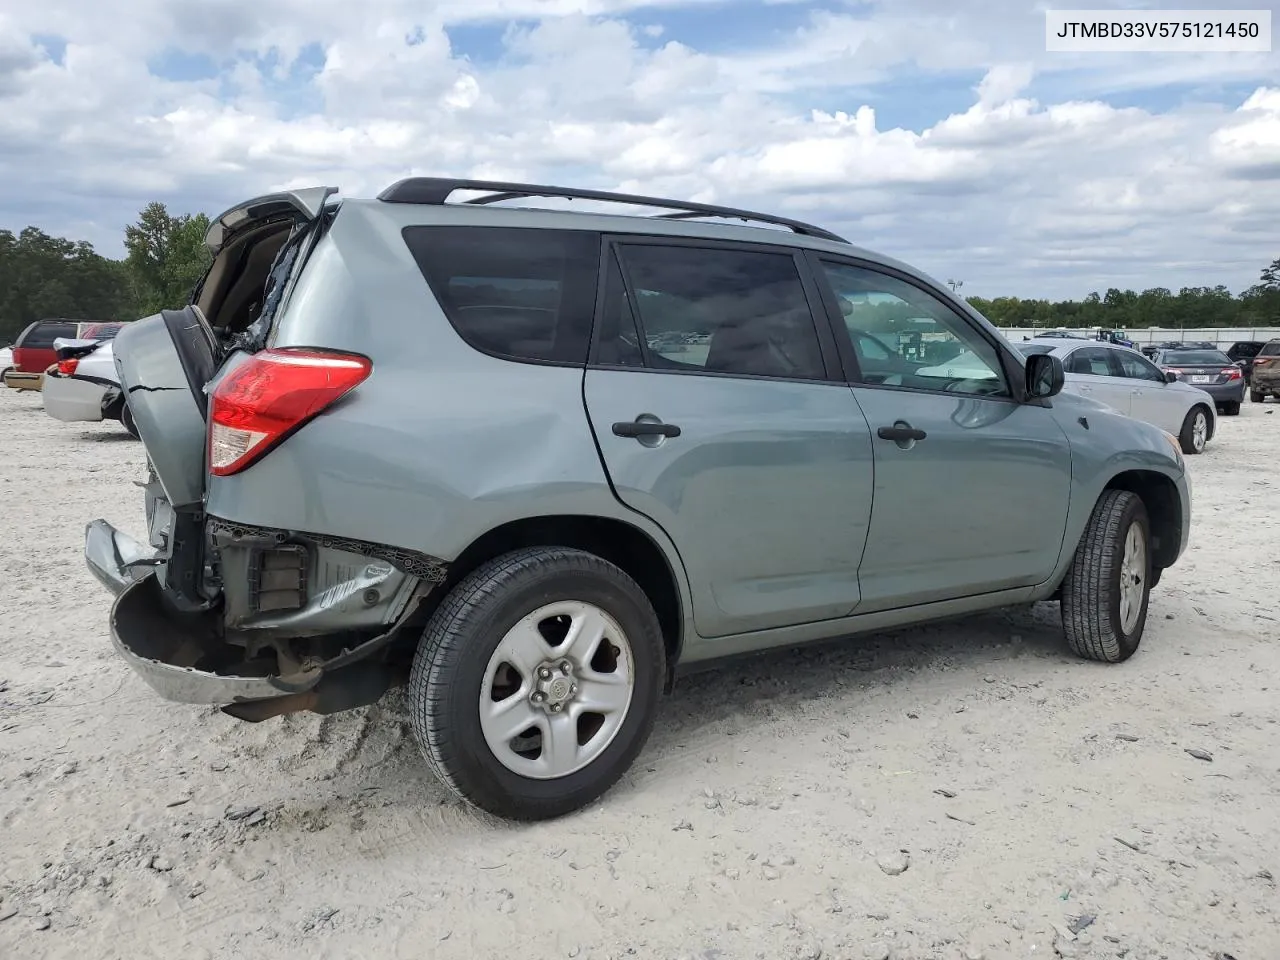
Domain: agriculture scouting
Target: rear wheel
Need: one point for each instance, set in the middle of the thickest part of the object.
(1257, 396)
(126, 419)
(1231, 409)
(1195, 430)
(1105, 593)
(536, 682)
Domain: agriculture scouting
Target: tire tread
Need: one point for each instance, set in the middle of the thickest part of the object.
(1086, 590)
(445, 643)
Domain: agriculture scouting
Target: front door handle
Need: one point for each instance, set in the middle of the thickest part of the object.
(900, 433)
(645, 428)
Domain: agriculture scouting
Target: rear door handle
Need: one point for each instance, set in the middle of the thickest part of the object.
(900, 433)
(645, 428)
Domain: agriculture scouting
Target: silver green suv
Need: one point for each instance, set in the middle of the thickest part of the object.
(531, 463)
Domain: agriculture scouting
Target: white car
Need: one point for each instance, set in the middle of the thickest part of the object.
(84, 385)
(1124, 379)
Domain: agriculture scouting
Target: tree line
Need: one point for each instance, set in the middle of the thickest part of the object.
(42, 276)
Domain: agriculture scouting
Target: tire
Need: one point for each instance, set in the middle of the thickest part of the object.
(1195, 430)
(1257, 396)
(126, 419)
(457, 668)
(1097, 623)
(1231, 409)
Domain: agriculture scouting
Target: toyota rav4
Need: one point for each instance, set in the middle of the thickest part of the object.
(530, 462)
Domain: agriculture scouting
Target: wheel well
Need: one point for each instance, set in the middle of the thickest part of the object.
(614, 540)
(1164, 510)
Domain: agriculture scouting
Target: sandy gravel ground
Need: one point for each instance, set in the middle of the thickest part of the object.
(1041, 806)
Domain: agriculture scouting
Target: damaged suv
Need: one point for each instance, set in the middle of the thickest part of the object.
(530, 462)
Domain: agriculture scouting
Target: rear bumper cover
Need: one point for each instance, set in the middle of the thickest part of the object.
(75, 399)
(1230, 392)
(177, 659)
(175, 654)
(21, 380)
(185, 657)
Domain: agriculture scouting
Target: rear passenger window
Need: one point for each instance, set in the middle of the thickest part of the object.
(1091, 361)
(518, 293)
(722, 311)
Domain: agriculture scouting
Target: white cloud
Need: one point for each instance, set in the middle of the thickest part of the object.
(1011, 193)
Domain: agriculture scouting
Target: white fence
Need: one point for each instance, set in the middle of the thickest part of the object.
(1222, 337)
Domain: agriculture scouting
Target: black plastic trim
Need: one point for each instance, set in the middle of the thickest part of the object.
(415, 564)
(193, 342)
(437, 190)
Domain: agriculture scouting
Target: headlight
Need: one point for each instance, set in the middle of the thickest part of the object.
(1177, 448)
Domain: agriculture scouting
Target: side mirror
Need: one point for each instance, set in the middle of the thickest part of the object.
(1170, 377)
(1045, 376)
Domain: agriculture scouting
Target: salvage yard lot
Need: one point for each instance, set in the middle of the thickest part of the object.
(1024, 790)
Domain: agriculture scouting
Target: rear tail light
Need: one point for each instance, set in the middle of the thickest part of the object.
(68, 367)
(1261, 361)
(1231, 373)
(271, 396)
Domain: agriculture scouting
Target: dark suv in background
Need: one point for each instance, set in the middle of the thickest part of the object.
(1242, 352)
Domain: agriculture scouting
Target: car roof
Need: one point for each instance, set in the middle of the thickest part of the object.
(1065, 345)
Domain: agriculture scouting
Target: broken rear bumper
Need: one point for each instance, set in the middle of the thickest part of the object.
(179, 655)
(185, 655)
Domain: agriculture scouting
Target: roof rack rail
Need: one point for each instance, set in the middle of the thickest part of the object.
(437, 190)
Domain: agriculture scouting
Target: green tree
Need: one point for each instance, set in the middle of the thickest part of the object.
(43, 276)
(166, 257)
(1271, 276)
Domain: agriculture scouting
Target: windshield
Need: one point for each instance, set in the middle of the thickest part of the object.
(1216, 357)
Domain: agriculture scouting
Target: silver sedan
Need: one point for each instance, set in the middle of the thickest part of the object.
(1124, 379)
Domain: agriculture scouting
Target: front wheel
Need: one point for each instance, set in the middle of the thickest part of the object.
(1105, 593)
(1195, 430)
(536, 682)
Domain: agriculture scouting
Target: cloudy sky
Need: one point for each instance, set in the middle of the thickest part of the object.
(938, 131)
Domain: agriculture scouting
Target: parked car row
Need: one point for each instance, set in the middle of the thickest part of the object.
(72, 364)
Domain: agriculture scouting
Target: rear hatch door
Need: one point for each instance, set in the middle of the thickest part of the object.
(166, 360)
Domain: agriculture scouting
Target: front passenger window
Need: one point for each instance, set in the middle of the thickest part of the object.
(1137, 367)
(903, 336)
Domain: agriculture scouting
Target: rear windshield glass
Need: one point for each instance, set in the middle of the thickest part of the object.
(100, 331)
(1197, 356)
(42, 335)
(518, 293)
(1272, 349)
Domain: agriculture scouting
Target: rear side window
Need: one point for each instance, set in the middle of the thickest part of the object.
(713, 310)
(522, 294)
(1090, 361)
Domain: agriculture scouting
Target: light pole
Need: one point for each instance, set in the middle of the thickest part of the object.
(955, 285)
